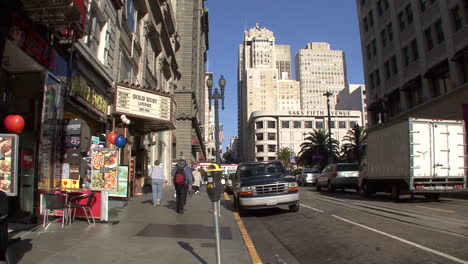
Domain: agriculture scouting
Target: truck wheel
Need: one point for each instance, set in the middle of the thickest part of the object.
(239, 209)
(294, 208)
(434, 197)
(364, 190)
(395, 193)
(330, 187)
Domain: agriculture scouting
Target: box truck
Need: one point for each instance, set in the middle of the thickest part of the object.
(415, 156)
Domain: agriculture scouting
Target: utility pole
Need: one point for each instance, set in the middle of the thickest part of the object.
(330, 157)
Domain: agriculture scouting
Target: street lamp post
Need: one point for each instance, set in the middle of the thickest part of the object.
(330, 157)
(216, 95)
(216, 205)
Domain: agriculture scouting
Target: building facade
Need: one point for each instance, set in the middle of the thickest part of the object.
(192, 25)
(319, 69)
(86, 65)
(415, 59)
(353, 97)
(276, 129)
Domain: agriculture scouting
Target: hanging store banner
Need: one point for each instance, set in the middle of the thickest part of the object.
(122, 183)
(143, 104)
(9, 164)
(104, 166)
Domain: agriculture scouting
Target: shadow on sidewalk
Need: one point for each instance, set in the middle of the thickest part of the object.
(17, 248)
(189, 248)
(171, 204)
(149, 201)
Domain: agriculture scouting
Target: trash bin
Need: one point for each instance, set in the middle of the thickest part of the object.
(3, 226)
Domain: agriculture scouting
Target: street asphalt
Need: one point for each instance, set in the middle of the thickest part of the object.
(137, 232)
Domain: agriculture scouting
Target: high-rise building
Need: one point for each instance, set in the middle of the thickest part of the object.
(283, 61)
(192, 25)
(415, 59)
(257, 75)
(319, 69)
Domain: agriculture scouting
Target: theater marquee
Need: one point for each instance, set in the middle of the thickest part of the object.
(151, 110)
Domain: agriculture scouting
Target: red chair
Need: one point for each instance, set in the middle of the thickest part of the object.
(55, 202)
(86, 207)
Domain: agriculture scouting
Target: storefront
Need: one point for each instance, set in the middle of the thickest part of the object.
(152, 115)
(33, 84)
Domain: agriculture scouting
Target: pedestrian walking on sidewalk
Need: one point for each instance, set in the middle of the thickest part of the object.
(157, 181)
(196, 180)
(183, 180)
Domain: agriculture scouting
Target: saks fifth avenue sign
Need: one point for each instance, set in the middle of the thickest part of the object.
(321, 113)
(143, 104)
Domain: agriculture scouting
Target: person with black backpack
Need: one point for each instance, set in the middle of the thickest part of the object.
(183, 179)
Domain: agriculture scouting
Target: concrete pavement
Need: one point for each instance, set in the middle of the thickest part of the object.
(137, 233)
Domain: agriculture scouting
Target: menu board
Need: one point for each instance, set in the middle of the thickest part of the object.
(9, 164)
(122, 183)
(104, 165)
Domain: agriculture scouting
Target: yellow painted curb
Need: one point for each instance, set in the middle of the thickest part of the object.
(247, 241)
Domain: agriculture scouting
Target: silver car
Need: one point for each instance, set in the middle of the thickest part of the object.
(339, 176)
(308, 176)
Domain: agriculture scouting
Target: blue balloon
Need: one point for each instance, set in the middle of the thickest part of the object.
(120, 141)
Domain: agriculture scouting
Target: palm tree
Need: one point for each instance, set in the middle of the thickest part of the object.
(284, 154)
(316, 148)
(356, 143)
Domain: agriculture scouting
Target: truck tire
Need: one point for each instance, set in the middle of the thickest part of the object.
(434, 197)
(294, 208)
(330, 187)
(395, 193)
(239, 209)
(364, 190)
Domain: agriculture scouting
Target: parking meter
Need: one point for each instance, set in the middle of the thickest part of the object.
(214, 187)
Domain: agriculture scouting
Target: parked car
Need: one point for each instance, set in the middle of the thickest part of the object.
(264, 184)
(338, 176)
(308, 176)
(228, 185)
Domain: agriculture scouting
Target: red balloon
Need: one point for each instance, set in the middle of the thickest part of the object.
(111, 137)
(6, 122)
(16, 124)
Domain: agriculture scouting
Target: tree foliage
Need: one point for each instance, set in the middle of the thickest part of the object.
(355, 145)
(284, 154)
(315, 149)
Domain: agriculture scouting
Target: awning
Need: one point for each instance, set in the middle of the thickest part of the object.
(148, 110)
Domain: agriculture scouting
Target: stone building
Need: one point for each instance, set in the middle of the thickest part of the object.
(415, 59)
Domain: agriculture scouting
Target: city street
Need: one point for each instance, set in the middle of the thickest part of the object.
(343, 227)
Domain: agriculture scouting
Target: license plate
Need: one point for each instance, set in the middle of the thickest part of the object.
(271, 203)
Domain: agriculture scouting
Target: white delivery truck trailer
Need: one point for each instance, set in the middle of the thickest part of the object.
(415, 156)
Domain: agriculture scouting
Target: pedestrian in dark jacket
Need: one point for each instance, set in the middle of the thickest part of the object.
(182, 187)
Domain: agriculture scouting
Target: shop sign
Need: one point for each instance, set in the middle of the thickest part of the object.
(81, 89)
(323, 113)
(27, 160)
(9, 164)
(104, 165)
(29, 41)
(132, 168)
(144, 104)
(122, 183)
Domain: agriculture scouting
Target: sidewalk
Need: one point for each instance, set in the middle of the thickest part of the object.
(138, 233)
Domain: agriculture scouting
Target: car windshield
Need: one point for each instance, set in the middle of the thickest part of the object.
(346, 167)
(311, 170)
(268, 169)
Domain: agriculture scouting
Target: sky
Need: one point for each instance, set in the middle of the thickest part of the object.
(293, 22)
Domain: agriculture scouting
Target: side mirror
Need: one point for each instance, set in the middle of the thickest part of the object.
(232, 176)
